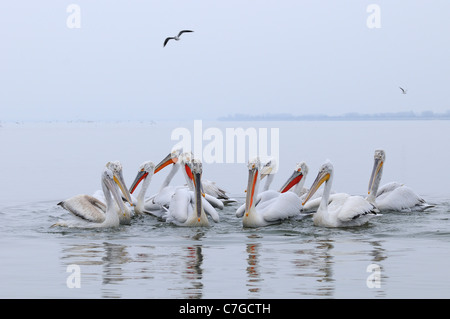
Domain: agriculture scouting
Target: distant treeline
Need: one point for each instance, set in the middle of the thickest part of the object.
(426, 115)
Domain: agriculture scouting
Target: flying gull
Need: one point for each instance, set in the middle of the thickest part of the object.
(403, 90)
(176, 37)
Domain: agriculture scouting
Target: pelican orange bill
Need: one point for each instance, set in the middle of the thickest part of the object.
(169, 159)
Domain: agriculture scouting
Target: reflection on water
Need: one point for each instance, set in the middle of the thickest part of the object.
(113, 265)
(294, 260)
(253, 273)
(193, 272)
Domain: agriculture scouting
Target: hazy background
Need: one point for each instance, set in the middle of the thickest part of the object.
(300, 57)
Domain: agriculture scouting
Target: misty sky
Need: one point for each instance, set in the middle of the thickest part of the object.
(246, 56)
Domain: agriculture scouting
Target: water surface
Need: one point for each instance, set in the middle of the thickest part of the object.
(150, 259)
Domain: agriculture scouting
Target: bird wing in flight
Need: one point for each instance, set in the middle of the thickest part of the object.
(167, 40)
(183, 31)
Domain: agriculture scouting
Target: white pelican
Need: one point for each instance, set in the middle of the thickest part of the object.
(187, 208)
(270, 207)
(144, 175)
(392, 196)
(345, 210)
(116, 168)
(211, 188)
(211, 191)
(158, 203)
(177, 37)
(297, 179)
(267, 170)
(91, 211)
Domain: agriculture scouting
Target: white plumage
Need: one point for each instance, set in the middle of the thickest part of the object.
(187, 207)
(344, 210)
(92, 212)
(392, 196)
(268, 207)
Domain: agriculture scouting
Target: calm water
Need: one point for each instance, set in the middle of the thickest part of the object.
(45, 163)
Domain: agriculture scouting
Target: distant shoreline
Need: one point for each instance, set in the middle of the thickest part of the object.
(402, 116)
(353, 117)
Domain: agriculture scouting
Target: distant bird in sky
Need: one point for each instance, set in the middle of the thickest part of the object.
(176, 37)
(403, 90)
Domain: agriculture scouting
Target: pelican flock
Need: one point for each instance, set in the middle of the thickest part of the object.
(198, 201)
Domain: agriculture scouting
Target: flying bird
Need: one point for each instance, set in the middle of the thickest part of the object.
(403, 90)
(176, 37)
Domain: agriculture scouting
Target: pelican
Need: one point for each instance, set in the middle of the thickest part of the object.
(211, 188)
(270, 207)
(297, 179)
(189, 208)
(116, 168)
(392, 196)
(345, 210)
(145, 174)
(158, 203)
(267, 170)
(178, 158)
(92, 212)
(177, 37)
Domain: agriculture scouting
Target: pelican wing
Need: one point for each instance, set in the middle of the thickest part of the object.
(181, 206)
(240, 211)
(389, 187)
(402, 199)
(212, 189)
(354, 207)
(284, 206)
(312, 205)
(209, 209)
(162, 198)
(217, 203)
(85, 207)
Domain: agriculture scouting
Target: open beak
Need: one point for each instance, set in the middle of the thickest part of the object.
(169, 159)
(377, 165)
(197, 178)
(295, 178)
(251, 186)
(118, 178)
(141, 175)
(320, 179)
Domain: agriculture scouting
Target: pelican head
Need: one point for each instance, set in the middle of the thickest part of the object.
(379, 158)
(301, 170)
(254, 167)
(116, 168)
(324, 175)
(194, 171)
(112, 182)
(171, 158)
(268, 168)
(146, 169)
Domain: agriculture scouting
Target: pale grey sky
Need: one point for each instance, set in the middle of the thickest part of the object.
(259, 56)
